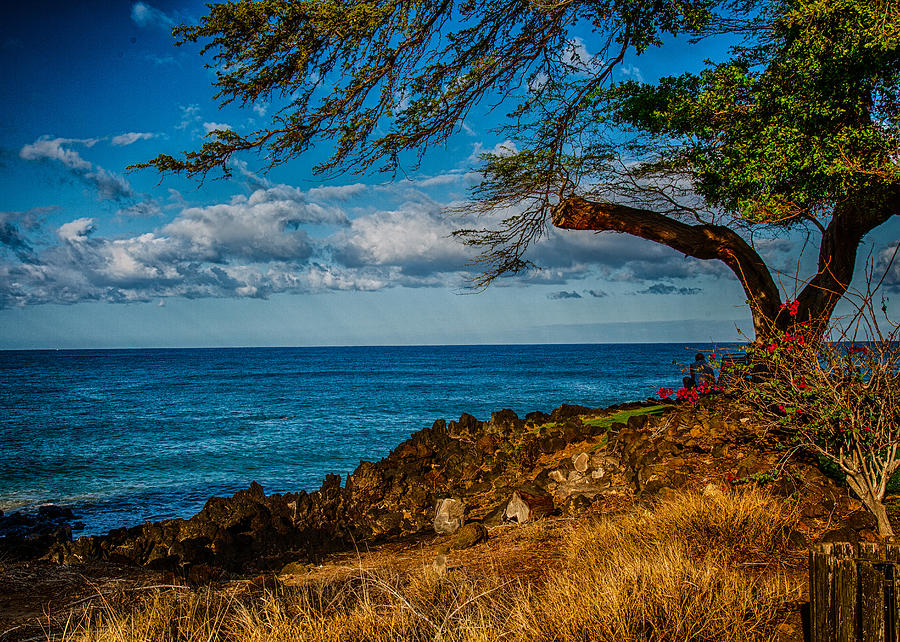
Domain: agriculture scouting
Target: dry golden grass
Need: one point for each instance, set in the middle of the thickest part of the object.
(684, 571)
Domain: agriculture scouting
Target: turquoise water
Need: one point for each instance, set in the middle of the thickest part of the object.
(125, 436)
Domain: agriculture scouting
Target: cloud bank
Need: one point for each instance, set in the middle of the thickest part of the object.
(278, 238)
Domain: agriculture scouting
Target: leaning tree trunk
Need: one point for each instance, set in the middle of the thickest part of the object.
(851, 221)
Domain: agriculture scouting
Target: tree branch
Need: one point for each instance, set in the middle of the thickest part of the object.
(699, 241)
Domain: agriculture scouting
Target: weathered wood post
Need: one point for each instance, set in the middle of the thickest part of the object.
(854, 592)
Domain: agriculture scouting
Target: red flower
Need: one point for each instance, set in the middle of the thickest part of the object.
(664, 393)
(859, 349)
(772, 347)
(795, 308)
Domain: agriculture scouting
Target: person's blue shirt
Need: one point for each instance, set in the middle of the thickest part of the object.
(701, 371)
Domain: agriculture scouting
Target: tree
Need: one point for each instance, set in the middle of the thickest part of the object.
(798, 128)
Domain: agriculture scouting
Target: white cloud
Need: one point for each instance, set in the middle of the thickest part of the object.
(506, 148)
(145, 15)
(579, 59)
(887, 265)
(413, 239)
(160, 60)
(537, 82)
(258, 229)
(337, 192)
(46, 148)
(190, 114)
(76, 231)
(109, 186)
(131, 137)
(279, 238)
(668, 289)
(211, 127)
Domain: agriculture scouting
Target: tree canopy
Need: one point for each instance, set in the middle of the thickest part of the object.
(797, 127)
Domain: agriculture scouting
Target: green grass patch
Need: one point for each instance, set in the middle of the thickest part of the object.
(537, 430)
(623, 415)
(602, 443)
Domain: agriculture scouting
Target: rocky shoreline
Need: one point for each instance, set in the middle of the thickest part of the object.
(573, 461)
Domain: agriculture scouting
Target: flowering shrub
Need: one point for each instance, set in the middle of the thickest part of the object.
(839, 399)
(690, 395)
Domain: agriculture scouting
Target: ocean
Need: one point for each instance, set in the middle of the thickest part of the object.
(125, 436)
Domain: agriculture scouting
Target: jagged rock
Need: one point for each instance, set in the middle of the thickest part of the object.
(748, 465)
(54, 512)
(567, 411)
(469, 535)
(813, 510)
(843, 534)
(487, 444)
(637, 422)
(203, 574)
(552, 444)
(862, 520)
(528, 505)
(504, 422)
(576, 504)
(655, 487)
(449, 516)
(478, 465)
(558, 475)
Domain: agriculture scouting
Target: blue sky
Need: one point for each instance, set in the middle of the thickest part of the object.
(93, 256)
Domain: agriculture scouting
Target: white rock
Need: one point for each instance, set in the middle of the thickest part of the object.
(574, 476)
(449, 516)
(581, 461)
(558, 476)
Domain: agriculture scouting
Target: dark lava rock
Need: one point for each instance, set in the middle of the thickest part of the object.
(567, 411)
(469, 535)
(843, 534)
(537, 417)
(25, 537)
(862, 520)
(478, 462)
(54, 512)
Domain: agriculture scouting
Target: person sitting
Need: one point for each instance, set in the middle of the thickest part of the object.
(701, 371)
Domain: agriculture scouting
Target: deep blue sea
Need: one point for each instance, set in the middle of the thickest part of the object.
(124, 436)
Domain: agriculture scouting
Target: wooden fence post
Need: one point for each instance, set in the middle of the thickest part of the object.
(854, 592)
